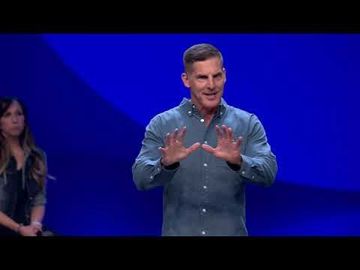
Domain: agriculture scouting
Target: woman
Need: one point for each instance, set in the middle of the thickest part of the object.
(23, 172)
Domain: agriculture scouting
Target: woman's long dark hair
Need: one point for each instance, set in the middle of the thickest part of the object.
(38, 169)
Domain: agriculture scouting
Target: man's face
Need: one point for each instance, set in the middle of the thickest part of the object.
(12, 123)
(206, 81)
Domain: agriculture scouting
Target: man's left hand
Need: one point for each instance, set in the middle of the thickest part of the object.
(228, 148)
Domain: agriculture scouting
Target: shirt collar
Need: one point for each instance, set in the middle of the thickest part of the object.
(190, 109)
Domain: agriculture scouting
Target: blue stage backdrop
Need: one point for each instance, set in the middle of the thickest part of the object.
(90, 97)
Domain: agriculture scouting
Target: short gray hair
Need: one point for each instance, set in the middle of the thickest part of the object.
(200, 52)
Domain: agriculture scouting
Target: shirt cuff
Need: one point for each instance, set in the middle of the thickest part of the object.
(234, 167)
(247, 168)
(165, 172)
(172, 166)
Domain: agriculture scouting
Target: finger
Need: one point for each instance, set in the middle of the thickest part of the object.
(173, 136)
(224, 130)
(167, 139)
(162, 151)
(218, 132)
(229, 134)
(176, 132)
(208, 148)
(194, 147)
(181, 134)
(239, 141)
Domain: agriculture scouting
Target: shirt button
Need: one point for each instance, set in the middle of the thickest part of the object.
(204, 210)
(151, 177)
(202, 120)
(205, 142)
(205, 164)
(189, 112)
(253, 177)
(203, 232)
(243, 172)
(205, 187)
(158, 169)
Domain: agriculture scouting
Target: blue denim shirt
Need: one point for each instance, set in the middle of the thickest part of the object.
(203, 196)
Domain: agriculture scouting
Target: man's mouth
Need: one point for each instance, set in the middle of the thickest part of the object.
(210, 94)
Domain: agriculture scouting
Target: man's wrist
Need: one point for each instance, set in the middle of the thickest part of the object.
(168, 165)
(236, 165)
(172, 166)
(236, 161)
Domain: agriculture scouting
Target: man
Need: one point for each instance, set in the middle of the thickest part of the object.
(203, 152)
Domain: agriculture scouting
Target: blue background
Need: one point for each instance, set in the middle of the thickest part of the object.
(90, 97)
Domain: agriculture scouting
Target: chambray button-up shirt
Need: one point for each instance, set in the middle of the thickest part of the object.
(204, 196)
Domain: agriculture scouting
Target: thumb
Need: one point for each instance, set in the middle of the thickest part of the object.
(208, 148)
(194, 147)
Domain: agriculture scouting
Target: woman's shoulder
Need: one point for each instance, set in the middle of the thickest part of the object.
(39, 151)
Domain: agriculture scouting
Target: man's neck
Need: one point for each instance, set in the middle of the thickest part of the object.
(208, 118)
(207, 115)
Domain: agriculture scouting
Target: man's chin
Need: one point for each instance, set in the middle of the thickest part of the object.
(212, 102)
(211, 106)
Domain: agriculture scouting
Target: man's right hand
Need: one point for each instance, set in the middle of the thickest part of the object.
(174, 150)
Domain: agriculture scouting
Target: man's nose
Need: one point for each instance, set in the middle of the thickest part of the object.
(211, 83)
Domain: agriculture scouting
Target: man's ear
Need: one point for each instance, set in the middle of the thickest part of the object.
(185, 79)
(224, 70)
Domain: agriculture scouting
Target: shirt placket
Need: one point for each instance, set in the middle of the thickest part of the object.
(204, 210)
